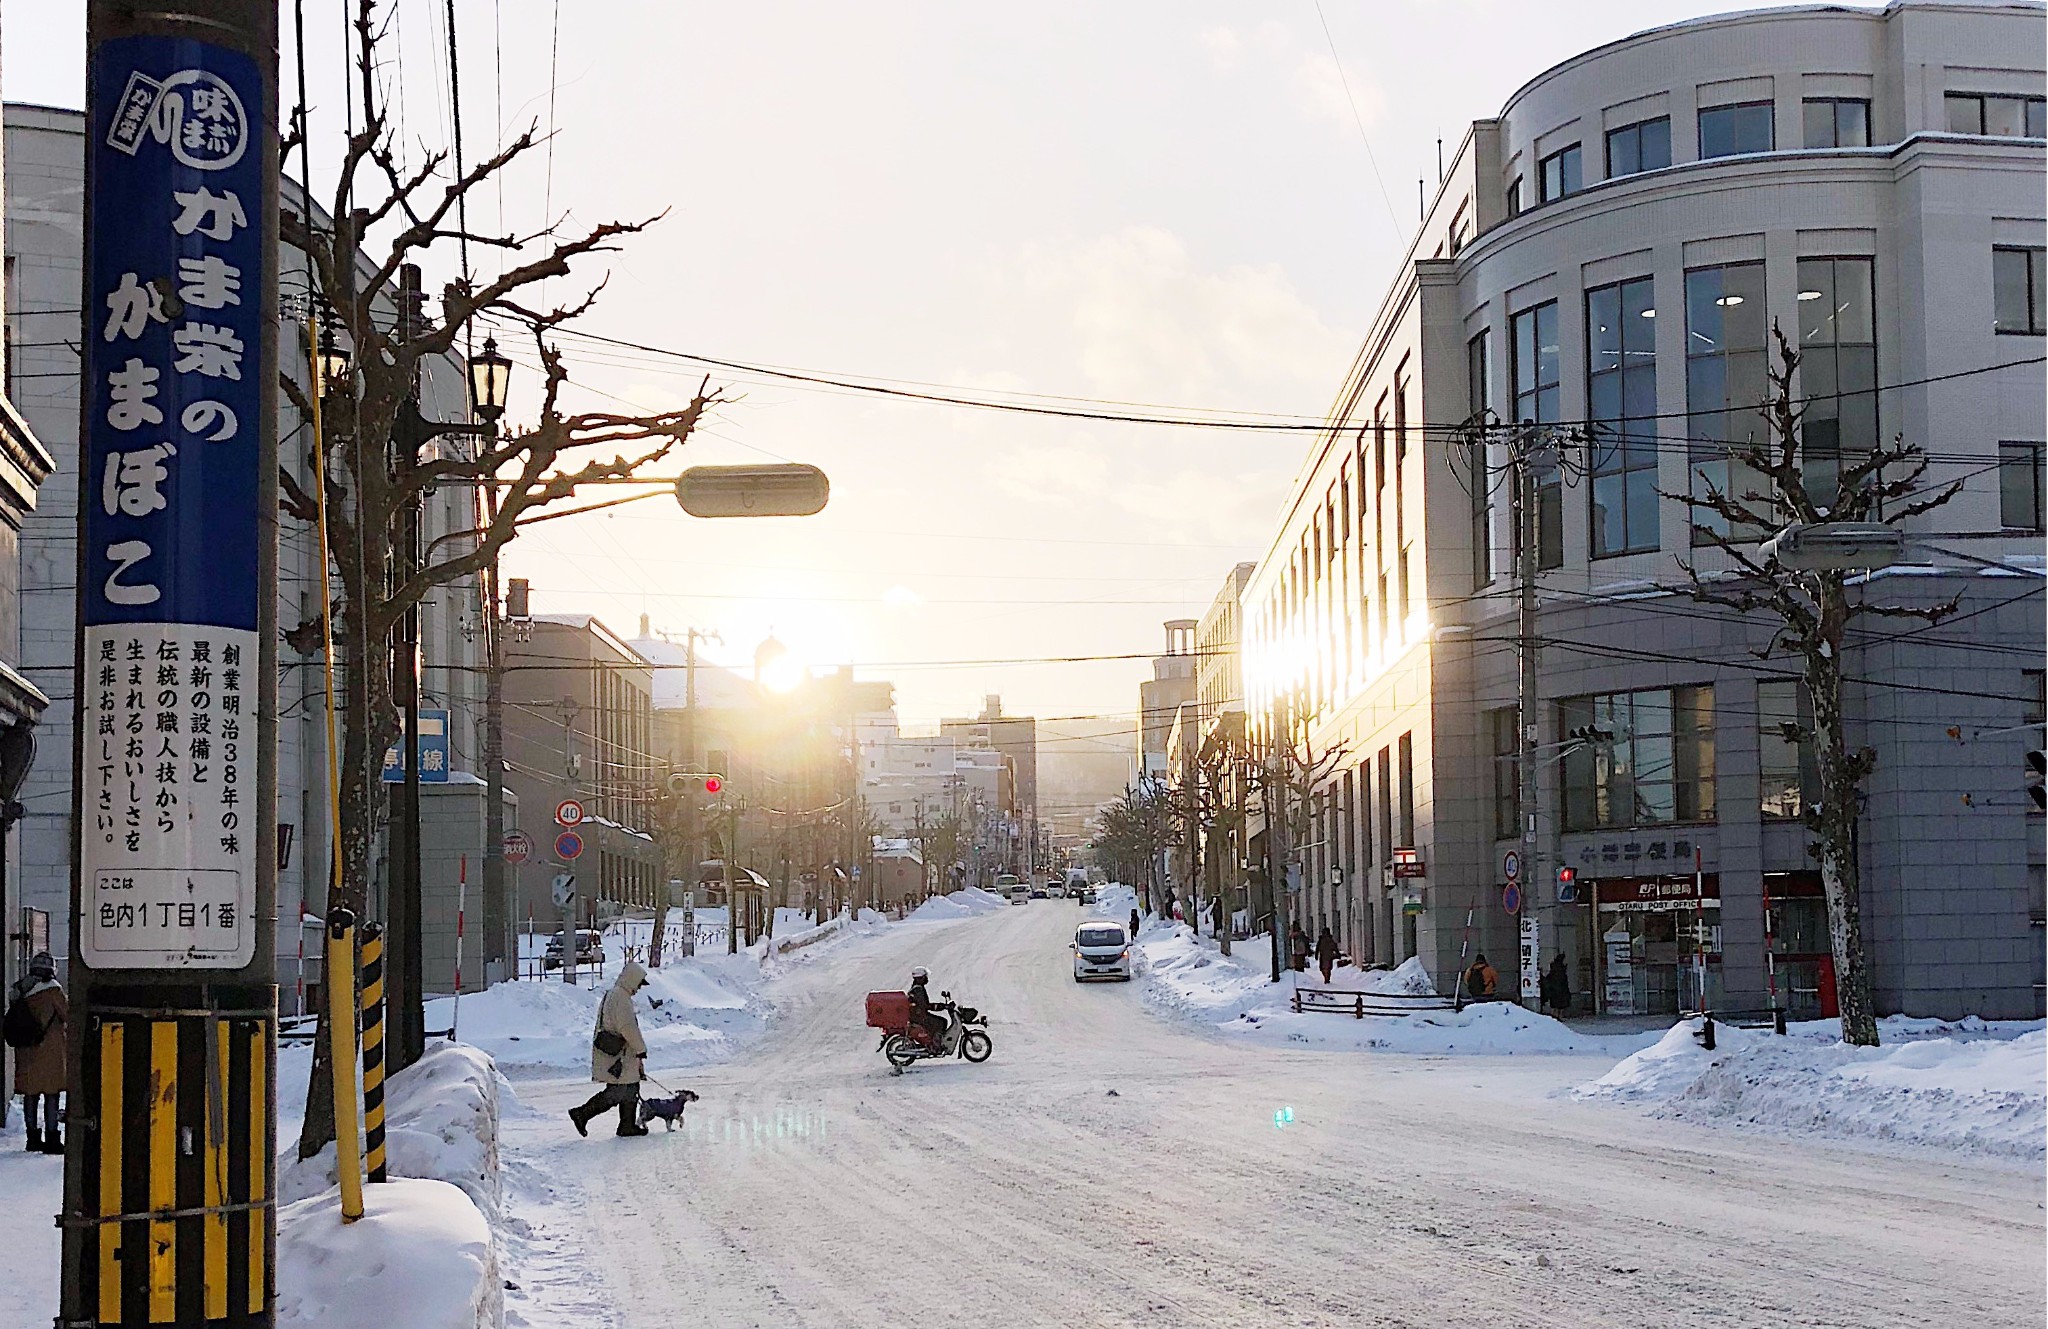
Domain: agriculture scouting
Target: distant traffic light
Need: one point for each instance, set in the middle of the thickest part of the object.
(682, 783)
(1567, 885)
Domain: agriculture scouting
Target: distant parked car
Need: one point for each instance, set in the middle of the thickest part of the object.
(1009, 886)
(1101, 951)
(589, 949)
(1056, 889)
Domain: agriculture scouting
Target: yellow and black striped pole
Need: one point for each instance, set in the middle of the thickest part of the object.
(373, 1051)
(340, 979)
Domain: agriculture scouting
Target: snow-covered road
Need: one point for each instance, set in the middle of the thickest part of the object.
(1109, 1168)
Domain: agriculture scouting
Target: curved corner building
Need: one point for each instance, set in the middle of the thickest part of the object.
(1617, 247)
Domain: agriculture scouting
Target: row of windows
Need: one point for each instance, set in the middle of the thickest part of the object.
(1727, 352)
(1745, 127)
(1364, 814)
(1636, 759)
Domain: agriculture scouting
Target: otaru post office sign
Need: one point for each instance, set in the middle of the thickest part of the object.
(170, 828)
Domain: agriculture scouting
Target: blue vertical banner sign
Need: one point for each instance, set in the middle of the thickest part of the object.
(169, 1166)
(176, 365)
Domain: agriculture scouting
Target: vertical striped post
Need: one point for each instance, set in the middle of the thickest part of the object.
(373, 1051)
(340, 979)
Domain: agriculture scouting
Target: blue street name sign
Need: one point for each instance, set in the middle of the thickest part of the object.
(435, 753)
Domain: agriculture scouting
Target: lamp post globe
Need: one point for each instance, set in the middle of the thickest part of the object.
(490, 376)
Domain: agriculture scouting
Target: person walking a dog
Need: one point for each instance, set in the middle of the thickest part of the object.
(617, 1054)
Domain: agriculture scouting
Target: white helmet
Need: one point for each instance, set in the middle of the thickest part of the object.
(919, 974)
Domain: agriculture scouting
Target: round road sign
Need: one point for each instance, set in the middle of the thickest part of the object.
(568, 845)
(1511, 898)
(1511, 865)
(568, 812)
(518, 846)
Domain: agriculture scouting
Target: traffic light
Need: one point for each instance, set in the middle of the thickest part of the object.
(1567, 885)
(681, 783)
(2037, 778)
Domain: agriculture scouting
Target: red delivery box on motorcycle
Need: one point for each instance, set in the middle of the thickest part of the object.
(888, 1010)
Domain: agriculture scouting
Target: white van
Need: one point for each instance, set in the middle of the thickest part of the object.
(1102, 950)
(1008, 886)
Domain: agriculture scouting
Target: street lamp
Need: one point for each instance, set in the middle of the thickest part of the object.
(332, 363)
(490, 375)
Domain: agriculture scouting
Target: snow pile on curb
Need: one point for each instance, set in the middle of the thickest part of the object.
(421, 1256)
(960, 904)
(1972, 1086)
(1190, 978)
(425, 1252)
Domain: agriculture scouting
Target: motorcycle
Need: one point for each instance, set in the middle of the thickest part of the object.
(966, 1036)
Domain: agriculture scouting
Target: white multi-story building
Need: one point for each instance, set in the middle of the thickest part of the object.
(1613, 251)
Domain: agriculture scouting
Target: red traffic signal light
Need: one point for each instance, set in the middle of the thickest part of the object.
(713, 784)
(1566, 876)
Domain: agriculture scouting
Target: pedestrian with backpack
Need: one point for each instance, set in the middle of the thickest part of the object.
(35, 1026)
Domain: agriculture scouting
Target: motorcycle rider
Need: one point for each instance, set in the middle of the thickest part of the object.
(924, 1011)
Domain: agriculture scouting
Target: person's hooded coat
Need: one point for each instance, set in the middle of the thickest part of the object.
(616, 1014)
(40, 1068)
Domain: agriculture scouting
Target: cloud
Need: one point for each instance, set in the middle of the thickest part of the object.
(1146, 322)
(1321, 93)
(1223, 45)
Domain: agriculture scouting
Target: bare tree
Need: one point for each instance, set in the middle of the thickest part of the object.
(1812, 610)
(368, 488)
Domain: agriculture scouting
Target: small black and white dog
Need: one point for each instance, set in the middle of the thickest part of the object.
(669, 1110)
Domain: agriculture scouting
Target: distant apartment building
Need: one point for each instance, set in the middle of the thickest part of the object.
(579, 727)
(1015, 737)
(1610, 255)
(1161, 697)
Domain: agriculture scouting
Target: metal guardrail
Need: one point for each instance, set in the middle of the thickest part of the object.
(1358, 1005)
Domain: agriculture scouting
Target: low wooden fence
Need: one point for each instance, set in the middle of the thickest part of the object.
(1358, 1005)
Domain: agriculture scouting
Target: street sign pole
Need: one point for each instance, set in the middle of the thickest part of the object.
(173, 908)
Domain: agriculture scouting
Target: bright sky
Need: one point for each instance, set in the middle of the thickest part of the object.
(1162, 202)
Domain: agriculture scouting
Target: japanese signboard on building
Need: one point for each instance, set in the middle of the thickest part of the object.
(171, 829)
(434, 751)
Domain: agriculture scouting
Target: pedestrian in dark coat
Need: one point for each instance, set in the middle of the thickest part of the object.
(1326, 953)
(1297, 946)
(41, 1068)
(1134, 925)
(1557, 986)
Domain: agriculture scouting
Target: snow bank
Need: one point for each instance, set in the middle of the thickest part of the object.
(1189, 978)
(33, 1185)
(1972, 1086)
(421, 1256)
(425, 1251)
(960, 904)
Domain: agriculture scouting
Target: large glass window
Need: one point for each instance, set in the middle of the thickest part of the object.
(2016, 291)
(1480, 477)
(1561, 174)
(1536, 373)
(1621, 396)
(1726, 131)
(1837, 369)
(1788, 774)
(1406, 744)
(1997, 116)
(1643, 146)
(1502, 727)
(1650, 761)
(1725, 380)
(2019, 486)
(1837, 122)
